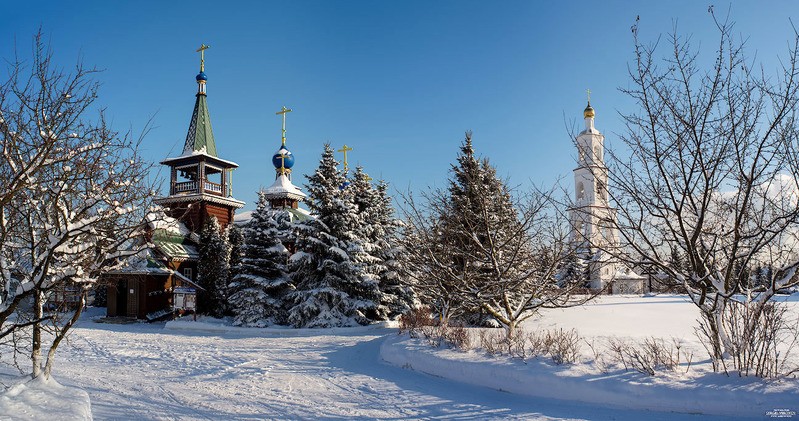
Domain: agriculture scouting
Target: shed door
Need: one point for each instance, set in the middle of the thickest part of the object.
(132, 293)
(121, 307)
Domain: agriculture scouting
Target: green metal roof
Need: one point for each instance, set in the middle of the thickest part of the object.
(200, 136)
(298, 215)
(174, 246)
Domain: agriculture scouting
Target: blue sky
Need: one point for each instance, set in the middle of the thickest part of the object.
(398, 81)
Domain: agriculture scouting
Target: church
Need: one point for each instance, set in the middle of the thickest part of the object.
(164, 279)
(594, 235)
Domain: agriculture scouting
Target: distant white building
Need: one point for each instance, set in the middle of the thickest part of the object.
(592, 217)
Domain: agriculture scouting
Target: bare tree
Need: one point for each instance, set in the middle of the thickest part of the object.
(711, 174)
(72, 199)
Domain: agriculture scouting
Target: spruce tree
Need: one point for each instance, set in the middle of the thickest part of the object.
(329, 288)
(378, 258)
(261, 282)
(477, 199)
(213, 269)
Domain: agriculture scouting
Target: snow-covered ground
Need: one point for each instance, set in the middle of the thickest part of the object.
(204, 370)
(692, 389)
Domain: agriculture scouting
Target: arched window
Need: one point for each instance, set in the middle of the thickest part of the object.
(601, 191)
(598, 153)
(580, 190)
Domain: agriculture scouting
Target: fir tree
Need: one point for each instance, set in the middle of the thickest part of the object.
(213, 269)
(378, 258)
(329, 288)
(235, 237)
(477, 199)
(261, 282)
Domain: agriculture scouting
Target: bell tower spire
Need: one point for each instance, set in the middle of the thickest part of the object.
(200, 137)
(200, 182)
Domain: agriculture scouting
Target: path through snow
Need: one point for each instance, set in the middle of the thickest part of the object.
(143, 371)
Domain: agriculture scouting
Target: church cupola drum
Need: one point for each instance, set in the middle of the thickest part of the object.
(200, 181)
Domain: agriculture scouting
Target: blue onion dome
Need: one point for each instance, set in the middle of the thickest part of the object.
(344, 185)
(201, 76)
(287, 160)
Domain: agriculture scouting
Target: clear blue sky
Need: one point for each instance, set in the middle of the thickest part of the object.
(399, 81)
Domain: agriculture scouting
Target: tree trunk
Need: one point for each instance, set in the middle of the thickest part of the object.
(511, 329)
(38, 315)
(62, 333)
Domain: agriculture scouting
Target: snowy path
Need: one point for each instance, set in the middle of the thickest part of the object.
(143, 371)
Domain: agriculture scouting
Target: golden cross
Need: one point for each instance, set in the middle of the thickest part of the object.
(368, 178)
(588, 91)
(283, 111)
(345, 149)
(201, 50)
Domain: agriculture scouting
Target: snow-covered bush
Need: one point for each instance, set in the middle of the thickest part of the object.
(761, 339)
(414, 320)
(647, 357)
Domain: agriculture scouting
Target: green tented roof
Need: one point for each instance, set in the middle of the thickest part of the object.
(174, 246)
(200, 137)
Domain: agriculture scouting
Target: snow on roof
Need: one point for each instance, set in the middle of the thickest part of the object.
(144, 262)
(202, 152)
(282, 187)
(242, 217)
(628, 274)
(296, 215)
(158, 220)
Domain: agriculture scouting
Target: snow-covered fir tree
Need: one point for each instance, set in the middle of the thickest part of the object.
(378, 255)
(477, 199)
(261, 283)
(235, 238)
(329, 288)
(213, 269)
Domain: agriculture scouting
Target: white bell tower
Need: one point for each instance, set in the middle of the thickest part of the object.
(591, 216)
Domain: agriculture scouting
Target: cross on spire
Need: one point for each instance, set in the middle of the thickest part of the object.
(344, 150)
(283, 112)
(201, 50)
(588, 91)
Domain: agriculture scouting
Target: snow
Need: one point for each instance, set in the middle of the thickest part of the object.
(158, 220)
(283, 187)
(40, 399)
(631, 317)
(186, 370)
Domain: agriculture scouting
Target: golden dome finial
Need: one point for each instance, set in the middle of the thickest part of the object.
(589, 111)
